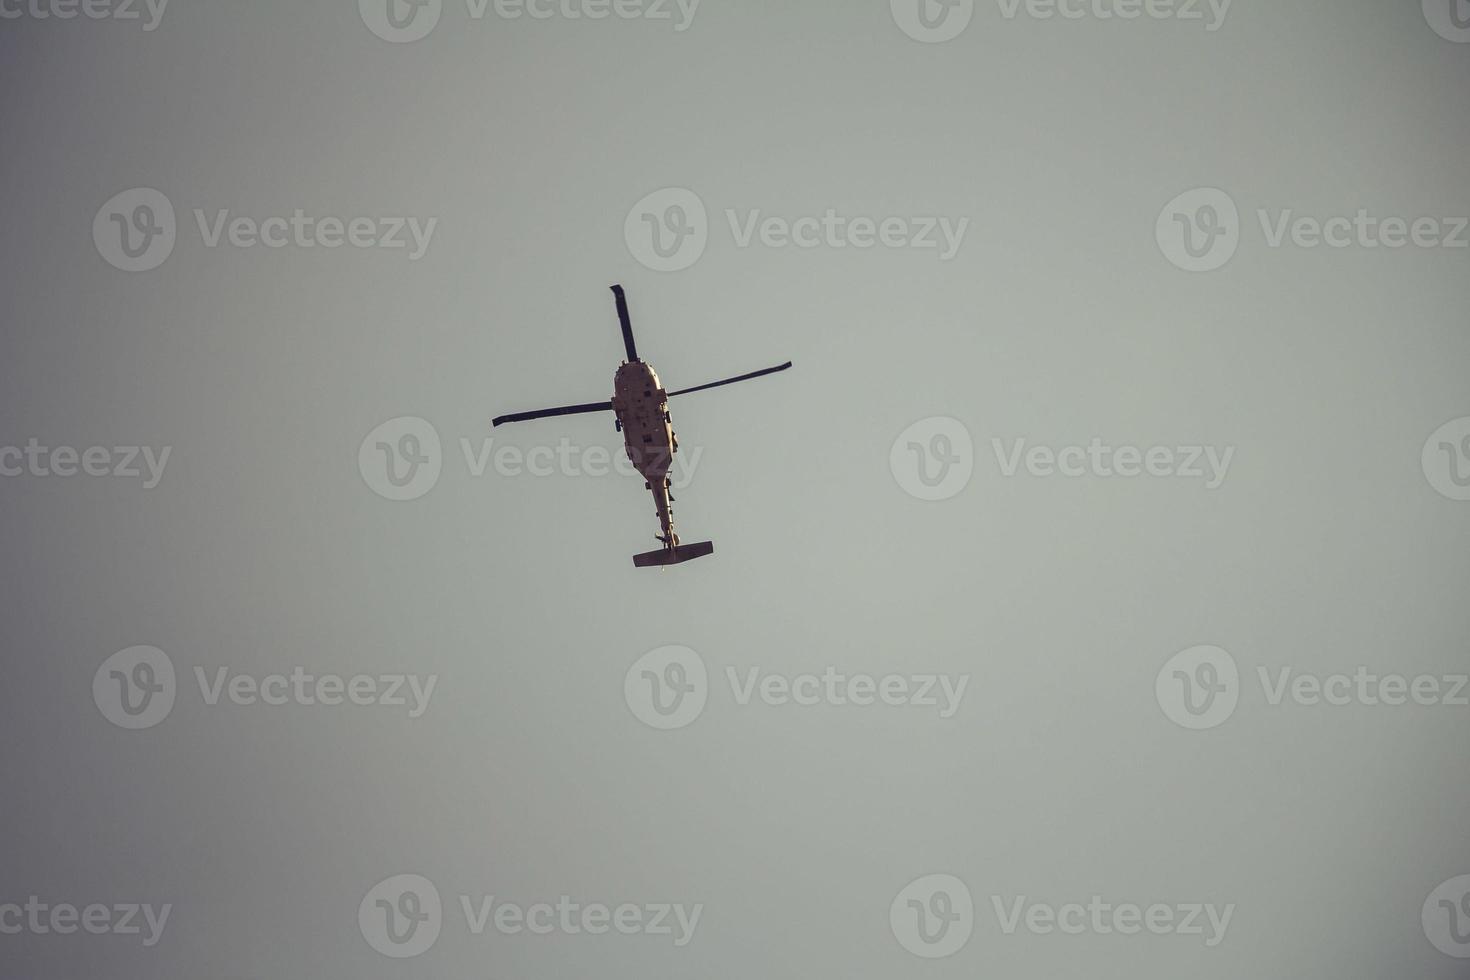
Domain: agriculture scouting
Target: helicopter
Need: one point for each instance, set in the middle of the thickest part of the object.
(640, 406)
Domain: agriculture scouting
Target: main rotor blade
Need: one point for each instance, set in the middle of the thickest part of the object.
(626, 323)
(550, 412)
(730, 381)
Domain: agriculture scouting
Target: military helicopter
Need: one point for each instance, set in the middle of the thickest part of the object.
(641, 407)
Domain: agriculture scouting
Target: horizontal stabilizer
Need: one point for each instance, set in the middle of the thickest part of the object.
(673, 556)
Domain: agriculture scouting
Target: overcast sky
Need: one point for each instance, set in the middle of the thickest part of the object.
(1062, 592)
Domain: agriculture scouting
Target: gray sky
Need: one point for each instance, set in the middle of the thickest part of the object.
(1121, 484)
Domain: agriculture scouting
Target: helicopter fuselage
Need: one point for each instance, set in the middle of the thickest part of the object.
(642, 408)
